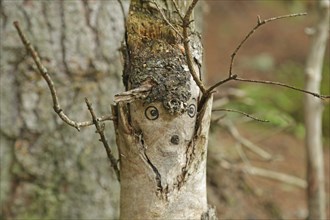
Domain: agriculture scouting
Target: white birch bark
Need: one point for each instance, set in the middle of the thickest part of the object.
(313, 116)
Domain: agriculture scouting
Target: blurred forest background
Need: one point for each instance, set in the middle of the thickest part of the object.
(48, 169)
(278, 52)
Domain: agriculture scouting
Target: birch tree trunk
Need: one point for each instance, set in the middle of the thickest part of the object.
(313, 116)
(161, 130)
(49, 170)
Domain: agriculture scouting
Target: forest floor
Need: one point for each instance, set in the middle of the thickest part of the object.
(236, 194)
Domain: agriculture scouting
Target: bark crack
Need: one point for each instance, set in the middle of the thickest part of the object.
(163, 191)
(3, 15)
(27, 17)
(94, 30)
(182, 177)
(63, 38)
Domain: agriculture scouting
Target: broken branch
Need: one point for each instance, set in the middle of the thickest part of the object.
(100, 129)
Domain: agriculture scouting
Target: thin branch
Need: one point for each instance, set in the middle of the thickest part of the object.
(185, 25)
(259, 23)
(100, 129)
(283, 85)
(236, 78)
(233, 55)
(256, 171)
(100, 119)
(240, 112)
(242, 155)
(177, 9)
(246, 143)
(231, 77)
(283, 177)
(44, 73)
(166, 20)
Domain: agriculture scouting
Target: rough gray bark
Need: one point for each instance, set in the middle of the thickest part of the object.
(49, 170)
(161, 129)
(313, 115)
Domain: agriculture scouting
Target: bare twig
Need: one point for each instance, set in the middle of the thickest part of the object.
(256, 171)
(233, 55)
(177, 9)
(103, 139)
(292, 180)
(245, 142)
(166, 20)
(44, 73)
(231, 77)
(283, 85)
(259, 23)
(185, 28)
(240, 112)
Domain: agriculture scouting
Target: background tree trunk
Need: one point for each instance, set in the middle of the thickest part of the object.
(49, 170)
(313, 116)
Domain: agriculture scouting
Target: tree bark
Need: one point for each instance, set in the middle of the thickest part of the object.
(49, 170)
(313, 116)
(161, 130)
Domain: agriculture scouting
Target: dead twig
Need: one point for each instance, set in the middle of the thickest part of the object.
(259, 23)
(177, 9)
(44, 73)
(283, 85)
(240, 112)
(246, 143)
(166, 20)
(234, 77)
(185, 29)
(100, 129)
(256, 171)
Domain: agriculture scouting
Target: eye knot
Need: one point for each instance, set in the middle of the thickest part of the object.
(151, 113)
(191, 110)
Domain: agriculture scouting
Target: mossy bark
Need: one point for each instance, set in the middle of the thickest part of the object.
(49, 170)
(161, 136)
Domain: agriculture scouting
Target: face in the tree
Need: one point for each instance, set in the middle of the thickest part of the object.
(160, 129)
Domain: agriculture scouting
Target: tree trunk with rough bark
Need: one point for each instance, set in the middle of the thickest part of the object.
(49, 170)
(161, 125)
(161, 129)
(313, 116)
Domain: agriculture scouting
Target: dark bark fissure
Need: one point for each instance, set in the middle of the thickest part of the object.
(158, 177)
(63, 38)
(88, 23)
(3, 15)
